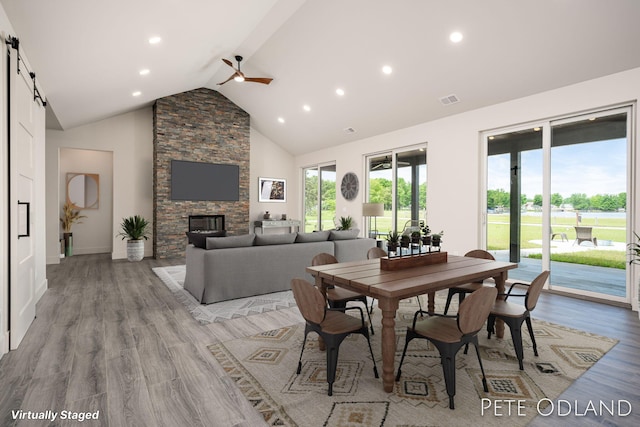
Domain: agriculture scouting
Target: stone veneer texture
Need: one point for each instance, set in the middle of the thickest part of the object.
(200, 126)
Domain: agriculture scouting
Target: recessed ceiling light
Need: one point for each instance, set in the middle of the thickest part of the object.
(280, 119)
(387, 69)
(340, 92)
(492, 137)
(456, 37)
(306, 107)
(155, 40)
(136, 93)
(144, 72)
(536, 129)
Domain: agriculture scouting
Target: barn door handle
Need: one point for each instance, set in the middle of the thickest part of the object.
(23, 219)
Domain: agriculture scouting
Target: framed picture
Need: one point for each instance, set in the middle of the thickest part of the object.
(272, 190)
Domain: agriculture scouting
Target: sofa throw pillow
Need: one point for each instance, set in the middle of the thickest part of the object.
(344, 234)
(274, 239)
(199, 240)
(230, 242)
(316, 236)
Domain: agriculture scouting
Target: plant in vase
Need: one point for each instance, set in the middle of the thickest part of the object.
(415, 237)
(393, 241)
(436, 239)
(134, 228)
(426, 235)
(405, 240)
(69, 217)
(345, 223)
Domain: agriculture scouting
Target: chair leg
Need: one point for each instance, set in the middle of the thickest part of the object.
(484, 377)
(491, 321)
(373, 358)
(366, 306)
(333, 346)
(449, 370)
(449, 297)
(533, 338)
(404, 353)
(515, 325)
(304, 341)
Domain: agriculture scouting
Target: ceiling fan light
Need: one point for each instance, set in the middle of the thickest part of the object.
(238, 78)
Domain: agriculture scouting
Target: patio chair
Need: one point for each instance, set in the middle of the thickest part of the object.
(563, 236)
(515, 314)
(449, 333)
(332, 324)
(337, 296)
(584, 234)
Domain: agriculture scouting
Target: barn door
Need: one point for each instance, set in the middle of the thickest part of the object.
(22, 286)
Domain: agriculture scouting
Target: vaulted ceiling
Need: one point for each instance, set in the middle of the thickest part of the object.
(88, 56)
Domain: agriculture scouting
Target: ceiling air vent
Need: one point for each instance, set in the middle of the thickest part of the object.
(349, 130)
(449, 99)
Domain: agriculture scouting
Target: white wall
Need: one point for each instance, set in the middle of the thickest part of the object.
(269, 160)
(94, 234)
(454, 148)
(129, 137)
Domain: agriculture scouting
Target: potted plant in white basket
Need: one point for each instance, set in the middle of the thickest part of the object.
(134, 228)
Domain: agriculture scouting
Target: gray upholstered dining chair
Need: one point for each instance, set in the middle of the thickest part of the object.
(467, 288)
(332, 324)
(339, 297)
(449, 333)
(515, 314)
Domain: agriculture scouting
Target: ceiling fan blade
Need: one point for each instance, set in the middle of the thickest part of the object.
(376, 167)
(230, 78)
(263, 80)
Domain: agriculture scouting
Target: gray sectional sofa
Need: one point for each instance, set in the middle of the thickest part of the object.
(224, 268)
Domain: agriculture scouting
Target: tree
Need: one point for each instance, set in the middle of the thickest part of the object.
(579, 201)
(497, 198)
(537, 200)
(556, 199)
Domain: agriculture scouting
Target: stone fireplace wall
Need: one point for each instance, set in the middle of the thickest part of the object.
(201, 126)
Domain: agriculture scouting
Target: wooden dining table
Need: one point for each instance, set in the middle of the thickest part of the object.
(389, 287)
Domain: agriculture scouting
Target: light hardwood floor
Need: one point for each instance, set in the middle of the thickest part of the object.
(109, 336)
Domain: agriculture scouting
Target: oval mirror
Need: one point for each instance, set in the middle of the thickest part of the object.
(83, 190)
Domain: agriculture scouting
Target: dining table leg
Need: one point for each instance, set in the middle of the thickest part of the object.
(500, 286)
(389, 307)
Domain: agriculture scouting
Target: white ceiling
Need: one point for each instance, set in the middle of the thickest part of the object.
(87, 55)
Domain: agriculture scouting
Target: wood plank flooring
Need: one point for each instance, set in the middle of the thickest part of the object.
(109, 336)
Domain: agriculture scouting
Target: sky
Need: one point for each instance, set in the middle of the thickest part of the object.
(590, 168)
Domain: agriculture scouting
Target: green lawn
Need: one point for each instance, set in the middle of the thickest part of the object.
(603, 228)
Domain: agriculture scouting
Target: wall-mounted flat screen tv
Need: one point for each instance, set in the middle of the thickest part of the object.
(204, 181)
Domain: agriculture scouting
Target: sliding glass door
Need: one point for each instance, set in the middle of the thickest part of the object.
(514, 202)
(398, 179)
(589, 216)
(557, 195)
(319, 197)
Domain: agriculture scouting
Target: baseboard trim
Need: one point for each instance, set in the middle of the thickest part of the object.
(4, 343)
(40, 290)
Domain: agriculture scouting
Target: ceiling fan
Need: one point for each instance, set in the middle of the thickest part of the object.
(239, 76)
(386, 164)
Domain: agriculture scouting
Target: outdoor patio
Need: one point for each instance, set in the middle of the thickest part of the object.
(608, 281)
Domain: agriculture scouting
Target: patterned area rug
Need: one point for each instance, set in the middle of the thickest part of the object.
(173, 277)
(263, 366)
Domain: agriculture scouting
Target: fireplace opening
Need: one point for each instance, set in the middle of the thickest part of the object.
(206, 223)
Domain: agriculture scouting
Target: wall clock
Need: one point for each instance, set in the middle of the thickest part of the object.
(349, 186)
